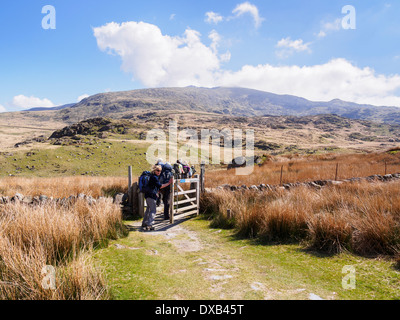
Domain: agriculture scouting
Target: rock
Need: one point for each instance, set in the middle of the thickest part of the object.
(43, 198)
(17, 198)
(81, 196)
(314, 185)
(253, 187)
(118, 198)
(27, 200)
(387, 177)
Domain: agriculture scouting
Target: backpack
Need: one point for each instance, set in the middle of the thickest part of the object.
(144, 181)
(186, 171)
(178, 168)
(166, 173)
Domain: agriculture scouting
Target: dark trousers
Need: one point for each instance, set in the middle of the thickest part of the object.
(166, 197)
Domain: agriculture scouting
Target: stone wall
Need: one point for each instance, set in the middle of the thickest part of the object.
(318, 184)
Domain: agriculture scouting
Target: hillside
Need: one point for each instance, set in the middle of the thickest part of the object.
(225, 101)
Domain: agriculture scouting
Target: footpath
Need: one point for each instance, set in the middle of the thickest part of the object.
(190, 261)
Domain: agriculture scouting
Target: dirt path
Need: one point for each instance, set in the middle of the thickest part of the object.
(188, 260)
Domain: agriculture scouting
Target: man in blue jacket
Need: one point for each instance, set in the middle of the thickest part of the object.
(151, 197)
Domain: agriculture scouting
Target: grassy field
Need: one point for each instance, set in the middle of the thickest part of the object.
(105, 158)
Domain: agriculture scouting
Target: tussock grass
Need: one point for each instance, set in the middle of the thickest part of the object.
(60, 187)
(363, 218)
(63, 237)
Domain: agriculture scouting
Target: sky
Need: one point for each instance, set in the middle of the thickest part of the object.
(57, 52)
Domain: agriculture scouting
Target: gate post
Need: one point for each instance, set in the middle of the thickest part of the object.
(197, 193)
(202, 173)
(171, 202)
(141, 204)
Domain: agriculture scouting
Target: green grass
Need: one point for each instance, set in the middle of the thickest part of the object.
(281, 271)
(99, 159)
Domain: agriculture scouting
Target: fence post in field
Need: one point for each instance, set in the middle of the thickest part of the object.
(336, 174)
(280, 182)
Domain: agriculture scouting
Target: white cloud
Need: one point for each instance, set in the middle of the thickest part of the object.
(247, 7)
(337, 78)
(212, 17)
(84, 96)
(172, 16)
(23, 102)
(2, 108)
(290, 46)
(328, 27)
(158, 60)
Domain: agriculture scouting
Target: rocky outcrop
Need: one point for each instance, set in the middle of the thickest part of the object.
(96, 126)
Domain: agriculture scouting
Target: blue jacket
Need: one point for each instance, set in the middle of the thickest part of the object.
(154, 186)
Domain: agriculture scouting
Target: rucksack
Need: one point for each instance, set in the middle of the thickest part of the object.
(178, 170)
(144, 181)
(166, 173)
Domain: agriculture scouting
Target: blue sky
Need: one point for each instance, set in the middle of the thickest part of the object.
(287, 47)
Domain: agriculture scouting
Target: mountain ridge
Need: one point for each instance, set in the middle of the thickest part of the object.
(234, 101)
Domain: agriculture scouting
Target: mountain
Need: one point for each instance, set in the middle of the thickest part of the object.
(221, 100)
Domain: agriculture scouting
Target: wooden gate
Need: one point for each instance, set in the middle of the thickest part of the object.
(184, 196)
(185, 201)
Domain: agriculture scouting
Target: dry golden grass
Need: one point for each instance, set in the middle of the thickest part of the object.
(63, 237)
(309, 168)
(363, 218)
(63, 187)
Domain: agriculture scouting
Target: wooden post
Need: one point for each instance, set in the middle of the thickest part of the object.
(228, 213)
(130, 197)
(171, 205)
(198, 193)
(135, 198)
(280, 183)
(202, 173)
(141, 204)
(337, 169)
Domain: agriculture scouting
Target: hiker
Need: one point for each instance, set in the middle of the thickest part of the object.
(166, 177)
(178, 169)
(152, 188)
